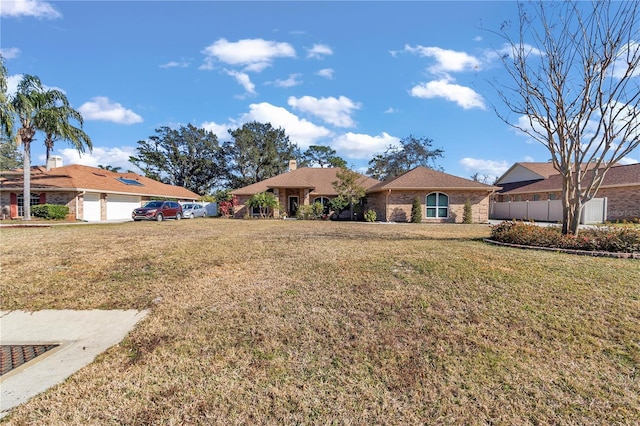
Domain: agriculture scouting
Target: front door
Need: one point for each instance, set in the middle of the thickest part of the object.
(293, 206)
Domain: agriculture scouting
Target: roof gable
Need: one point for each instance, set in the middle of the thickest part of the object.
(424, 178)
(521, 172)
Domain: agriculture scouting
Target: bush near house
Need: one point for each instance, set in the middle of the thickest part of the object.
(624, 239)
(416, 211)
(50, 211)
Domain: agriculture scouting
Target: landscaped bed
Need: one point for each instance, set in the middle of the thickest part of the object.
(619, 240)
(316, 322)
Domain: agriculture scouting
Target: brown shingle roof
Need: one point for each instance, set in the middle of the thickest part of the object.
(617, 176)
(424, 178)
(84, 178)
(318, 180)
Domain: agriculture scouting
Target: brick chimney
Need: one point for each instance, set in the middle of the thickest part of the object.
(293, 164)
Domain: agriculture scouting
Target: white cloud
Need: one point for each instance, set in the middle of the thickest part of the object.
(251, 54)
(292, 81)
(103, 156)
(629, 160)
(326, 73)
(446, 60)
(361, 146)
(220, 130)
(466, 97)
(12, 83)
(101, 108)
(9, 52)
(489, 168)
(244, 80)
(300, 131)
(318, 51)
(175, 64)
(335, 111)
(34, 8)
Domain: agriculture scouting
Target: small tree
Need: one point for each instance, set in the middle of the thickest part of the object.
(467, 216)
(416, 210)
(348, 187)
(575, 89)
(263, 201)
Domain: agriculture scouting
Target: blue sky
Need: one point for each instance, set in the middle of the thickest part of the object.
(356, 76)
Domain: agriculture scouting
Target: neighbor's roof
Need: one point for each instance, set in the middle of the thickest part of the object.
(617, 176)
(84, 178)
(422, 178)
(318, 180)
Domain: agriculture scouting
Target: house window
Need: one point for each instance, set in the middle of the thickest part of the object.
(324, 201)
(35, 200)
(536, 197)
(552, 196)
(437, 205)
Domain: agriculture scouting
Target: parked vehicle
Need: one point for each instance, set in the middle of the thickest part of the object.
(158, 210)
(191, 210)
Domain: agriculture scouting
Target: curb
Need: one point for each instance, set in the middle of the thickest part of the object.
(569, 251)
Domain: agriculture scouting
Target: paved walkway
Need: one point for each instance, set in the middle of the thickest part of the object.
(82, 335)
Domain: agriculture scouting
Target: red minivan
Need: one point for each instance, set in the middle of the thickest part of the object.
(158, 210)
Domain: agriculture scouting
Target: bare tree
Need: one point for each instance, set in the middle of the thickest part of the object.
(576, 73)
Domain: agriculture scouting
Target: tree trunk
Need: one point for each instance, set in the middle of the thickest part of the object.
(571, 202)
(26, 193)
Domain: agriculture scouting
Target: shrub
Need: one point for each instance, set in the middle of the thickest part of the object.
(50, 211)
(370, 215)
(467, 216)
(416, 211)
(605, 238)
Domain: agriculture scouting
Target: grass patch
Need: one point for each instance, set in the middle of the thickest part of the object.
(290, 322)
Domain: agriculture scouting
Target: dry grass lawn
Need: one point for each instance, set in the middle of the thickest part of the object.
(295, 322)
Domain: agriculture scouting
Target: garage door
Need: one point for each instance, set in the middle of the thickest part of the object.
(120, 206)
(91, 207)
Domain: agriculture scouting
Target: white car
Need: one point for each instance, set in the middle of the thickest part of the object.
(192, 210)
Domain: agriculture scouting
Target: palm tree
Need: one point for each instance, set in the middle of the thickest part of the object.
(32, 105)
(6, 110)
(55, 123)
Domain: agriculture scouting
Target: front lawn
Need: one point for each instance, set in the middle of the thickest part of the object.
(314, 322)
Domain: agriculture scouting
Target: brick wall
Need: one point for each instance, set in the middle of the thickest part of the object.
(622, 203)
(399, 205)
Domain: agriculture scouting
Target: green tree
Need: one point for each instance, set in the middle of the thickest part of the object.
(56, 123)
(349, 189)
(575, 89)
(396, 160)
(32, 106)
(189, 157)
(416, 210)
(263, 201)
(257, 152)
(467, 215)
(6, 108)
(323, 156)
(10, 155)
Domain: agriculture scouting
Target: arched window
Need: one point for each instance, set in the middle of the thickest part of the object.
(437, 205)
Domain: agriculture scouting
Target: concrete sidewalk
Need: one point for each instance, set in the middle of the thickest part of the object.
(82, 335)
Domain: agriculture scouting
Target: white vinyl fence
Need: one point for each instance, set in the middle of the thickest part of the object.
(594, 211)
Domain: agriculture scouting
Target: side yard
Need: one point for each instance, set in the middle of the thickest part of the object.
(316, 322)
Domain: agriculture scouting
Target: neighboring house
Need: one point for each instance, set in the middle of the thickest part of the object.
(296, 187)
(442, 197)
(532, 182)
(92, 194)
